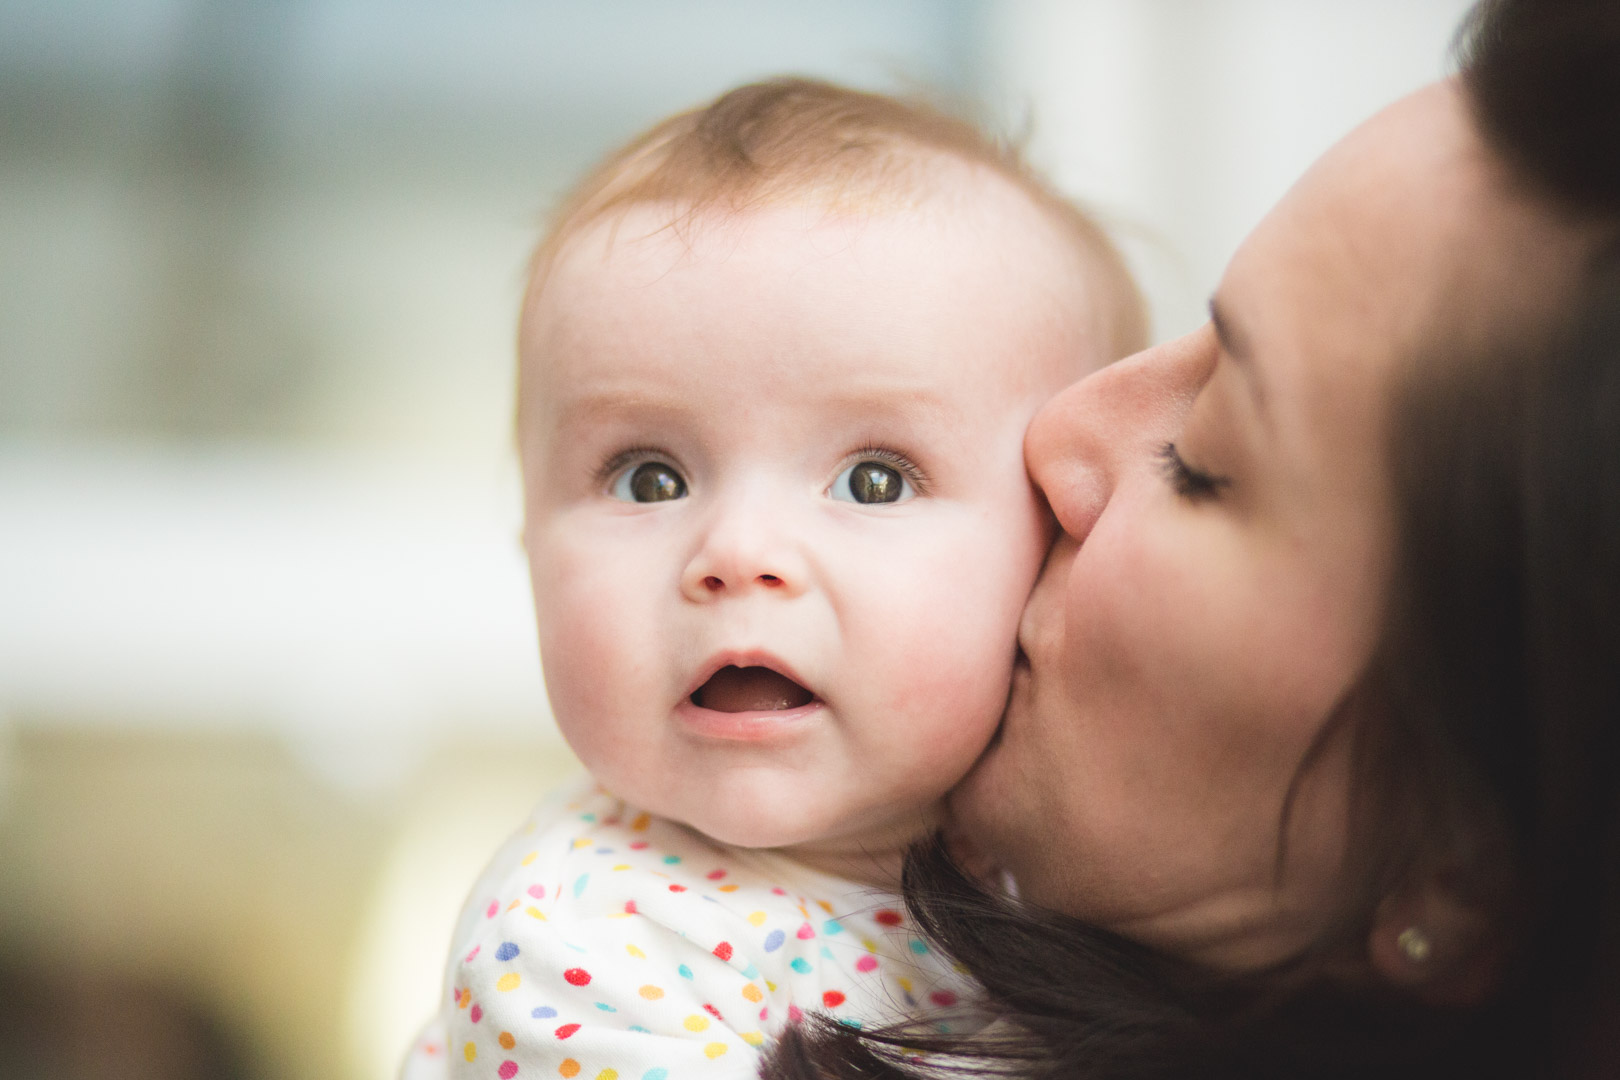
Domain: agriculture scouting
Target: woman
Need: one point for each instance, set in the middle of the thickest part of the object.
(1312, 769)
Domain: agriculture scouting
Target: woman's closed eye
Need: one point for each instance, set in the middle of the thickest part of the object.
(1189, 481)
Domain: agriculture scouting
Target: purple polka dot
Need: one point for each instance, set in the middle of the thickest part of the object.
(544, 1012)
(773, 940)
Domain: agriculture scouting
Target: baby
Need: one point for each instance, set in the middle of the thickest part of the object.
(776, 361)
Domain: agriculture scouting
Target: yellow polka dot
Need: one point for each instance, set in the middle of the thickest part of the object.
(509, 981)
(651, 993)
(470, 1052)
(960, 969)
(756, 918)
(608, 1074)
(869, 944)
(905, 984)
(535, 912)
(752, 992)
(621, 915)
(621, 866)
(635, 952)
(579, 842)
(529, 858)
(569, 1067)
(771, 985)
(641, 822)
(714, 1050)
(696, 1022)
(506, 1040)
(730, 888)
(753, 1038)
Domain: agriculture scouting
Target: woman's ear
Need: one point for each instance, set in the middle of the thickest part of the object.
(1446, 951)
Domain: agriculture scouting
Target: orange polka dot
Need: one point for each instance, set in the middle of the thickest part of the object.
(651, 993)
(752, 992)
(506, 1040)
(569, 1067)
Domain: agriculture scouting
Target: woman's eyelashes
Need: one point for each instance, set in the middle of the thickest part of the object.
(1188, 481)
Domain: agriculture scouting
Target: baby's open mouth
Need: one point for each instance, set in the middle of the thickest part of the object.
(750, 689)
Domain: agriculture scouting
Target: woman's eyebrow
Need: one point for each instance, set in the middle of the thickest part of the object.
(1235, 344)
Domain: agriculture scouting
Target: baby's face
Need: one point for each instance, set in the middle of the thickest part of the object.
(778, 522)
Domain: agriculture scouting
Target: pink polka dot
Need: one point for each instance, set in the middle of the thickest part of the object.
(629, 907)
(477, 1013)
(716, 875)
(537, 891)
(472, 954)
(806, 932)
(493, 910)
(794, 1015)
(866, 963)
(637, 845)
(507, 1070)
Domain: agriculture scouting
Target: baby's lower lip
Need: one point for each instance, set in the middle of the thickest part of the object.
(751, 726)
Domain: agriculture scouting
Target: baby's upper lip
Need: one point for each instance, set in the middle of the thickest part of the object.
(745, 658)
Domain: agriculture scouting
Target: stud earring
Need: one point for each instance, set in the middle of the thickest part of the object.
(1414, 945)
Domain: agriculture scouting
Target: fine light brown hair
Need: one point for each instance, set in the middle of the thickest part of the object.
(797, 138)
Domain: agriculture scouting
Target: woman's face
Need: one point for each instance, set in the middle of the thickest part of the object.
(1227, 537)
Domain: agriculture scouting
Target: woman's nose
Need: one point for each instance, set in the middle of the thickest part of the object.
(747, 547)
(1089, 437)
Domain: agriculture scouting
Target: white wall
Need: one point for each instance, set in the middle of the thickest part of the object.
(1185, 119)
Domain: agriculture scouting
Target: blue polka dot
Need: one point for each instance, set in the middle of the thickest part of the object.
(919, 946)
(670, 860)
(580, 883)
(587, 817)
(801, 965)
(750, 972)
(773, 940)
(850, 1021)
(604, 851)
(832, 926)
(826, 953)
(638, 1027)
(605, 1007)
(544, 1012)
(655, 1074)
(506, 951)
(685, 972)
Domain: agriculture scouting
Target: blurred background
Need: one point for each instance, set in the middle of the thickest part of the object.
(268, 683)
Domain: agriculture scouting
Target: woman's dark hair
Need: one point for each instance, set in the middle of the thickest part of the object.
(1486, 732)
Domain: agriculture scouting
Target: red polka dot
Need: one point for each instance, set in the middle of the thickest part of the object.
(629, 907)
(716, 875)
(567, 1030)
(577, 976)
(723, 950)
(714, 1012)
(832, 999)
(677, 888)
(942, 998)
(888, 918)
(637, 845)
(507, 1070)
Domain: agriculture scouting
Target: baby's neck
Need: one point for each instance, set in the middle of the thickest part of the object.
(871, 856)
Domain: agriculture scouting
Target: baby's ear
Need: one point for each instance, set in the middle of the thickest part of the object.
(1430, 941)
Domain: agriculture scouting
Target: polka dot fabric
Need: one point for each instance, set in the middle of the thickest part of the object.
(604, 943)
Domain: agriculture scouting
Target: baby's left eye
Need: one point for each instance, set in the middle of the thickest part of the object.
(871, 482)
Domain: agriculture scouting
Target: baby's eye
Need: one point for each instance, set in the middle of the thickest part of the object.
(651, 481)
(871, 482)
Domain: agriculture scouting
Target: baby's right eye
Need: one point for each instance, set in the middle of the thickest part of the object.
(651, 481)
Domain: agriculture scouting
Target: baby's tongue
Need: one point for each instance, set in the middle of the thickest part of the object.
(750, 689)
